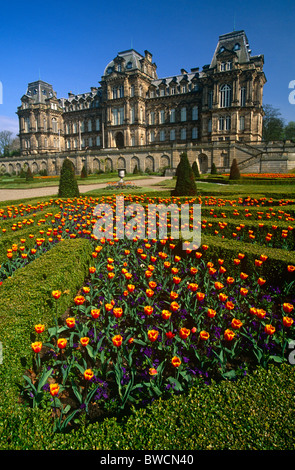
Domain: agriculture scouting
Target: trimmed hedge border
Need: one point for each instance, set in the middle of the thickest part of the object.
(63, 268)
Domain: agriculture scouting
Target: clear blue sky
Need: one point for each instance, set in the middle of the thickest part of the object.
(69, 43)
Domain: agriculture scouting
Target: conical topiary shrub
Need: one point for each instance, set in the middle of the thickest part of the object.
(213, 169)
(185, 178)
(195, 169)
(84, 172)
(234, 170)
(68, 186)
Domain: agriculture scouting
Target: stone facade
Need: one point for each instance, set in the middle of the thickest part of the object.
(133, 118)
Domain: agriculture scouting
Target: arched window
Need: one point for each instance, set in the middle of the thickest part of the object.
(225, 96)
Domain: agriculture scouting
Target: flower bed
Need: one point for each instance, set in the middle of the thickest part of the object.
(151, 321)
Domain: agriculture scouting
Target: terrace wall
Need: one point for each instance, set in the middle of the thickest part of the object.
(274, 157)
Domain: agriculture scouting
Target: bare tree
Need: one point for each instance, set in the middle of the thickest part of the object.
(5, 142)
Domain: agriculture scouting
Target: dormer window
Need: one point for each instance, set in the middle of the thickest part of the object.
(129, 65)
(229, 65)
(237, 47)
(222, 66)
(221, 49)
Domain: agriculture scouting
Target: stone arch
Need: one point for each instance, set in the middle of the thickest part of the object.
(35, 167)
(203, 163)
(3, 169)
(96, 165)
(108, 164)
(44, 165)
(18, 168)
(10, 168)
(150, 163)
(121, 163)
(165, 161)
(135, 162)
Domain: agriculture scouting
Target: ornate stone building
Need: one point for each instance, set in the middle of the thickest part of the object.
(136, 118)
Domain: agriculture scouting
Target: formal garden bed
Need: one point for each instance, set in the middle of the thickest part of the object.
(127, 339)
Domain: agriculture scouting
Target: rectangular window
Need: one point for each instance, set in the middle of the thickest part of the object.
(172, 134)
(183, 134)
(162, 136)
(115, 92)
(121, 115)
(132, 90)
(98, 141)
(152, 117)
(195, 113)
(183, 114)
(115, 119)
(97, 124)
(243, 97)
(90, 141)
(162, 117)
(242, 123)
(172, 115)
(152, 136)
(121, 91)
(132, 141)
(210, 99)
(209, 125)
(132, 115)
(195, 133)
(221, 123)
(89, 125)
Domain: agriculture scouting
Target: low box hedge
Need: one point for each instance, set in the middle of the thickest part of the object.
(26, 300)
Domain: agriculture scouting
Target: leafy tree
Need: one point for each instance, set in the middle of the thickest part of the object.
(234, 170)
(273, 124)
(185, 178)
(289, 131)
(68, 186)
(195, 169)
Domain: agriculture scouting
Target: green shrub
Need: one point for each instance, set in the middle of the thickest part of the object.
(68, 186)
(185, 179)
(195, 169)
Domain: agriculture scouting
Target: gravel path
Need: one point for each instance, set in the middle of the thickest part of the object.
(14, 194)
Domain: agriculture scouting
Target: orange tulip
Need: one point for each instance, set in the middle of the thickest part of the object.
(92, 269)
(148, 309)
(153, 335)
(175, 361)
(39, 328)
(261, 281)
(118, 312)
(152, 371)
(229, 305)
(79, 300)
(88, 374)
(236, 324)
(149, 292)
(287, 307)
(218, 285)
(56, 294)
(54, 389)
(269, 329)
(61, 343)
(291, 268)
(287, 321)
(117, 340)
(243, 276)
(95, 312)
(211, 313)
(70, 321)
(243, 291)
(222, 297)
(260, 313)
(166, 314)
(184, 333)
(229, 335)
(200, 296)
(130, 287)
(173, 295)
(84, 341)
(37, 346)
(204, 335)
